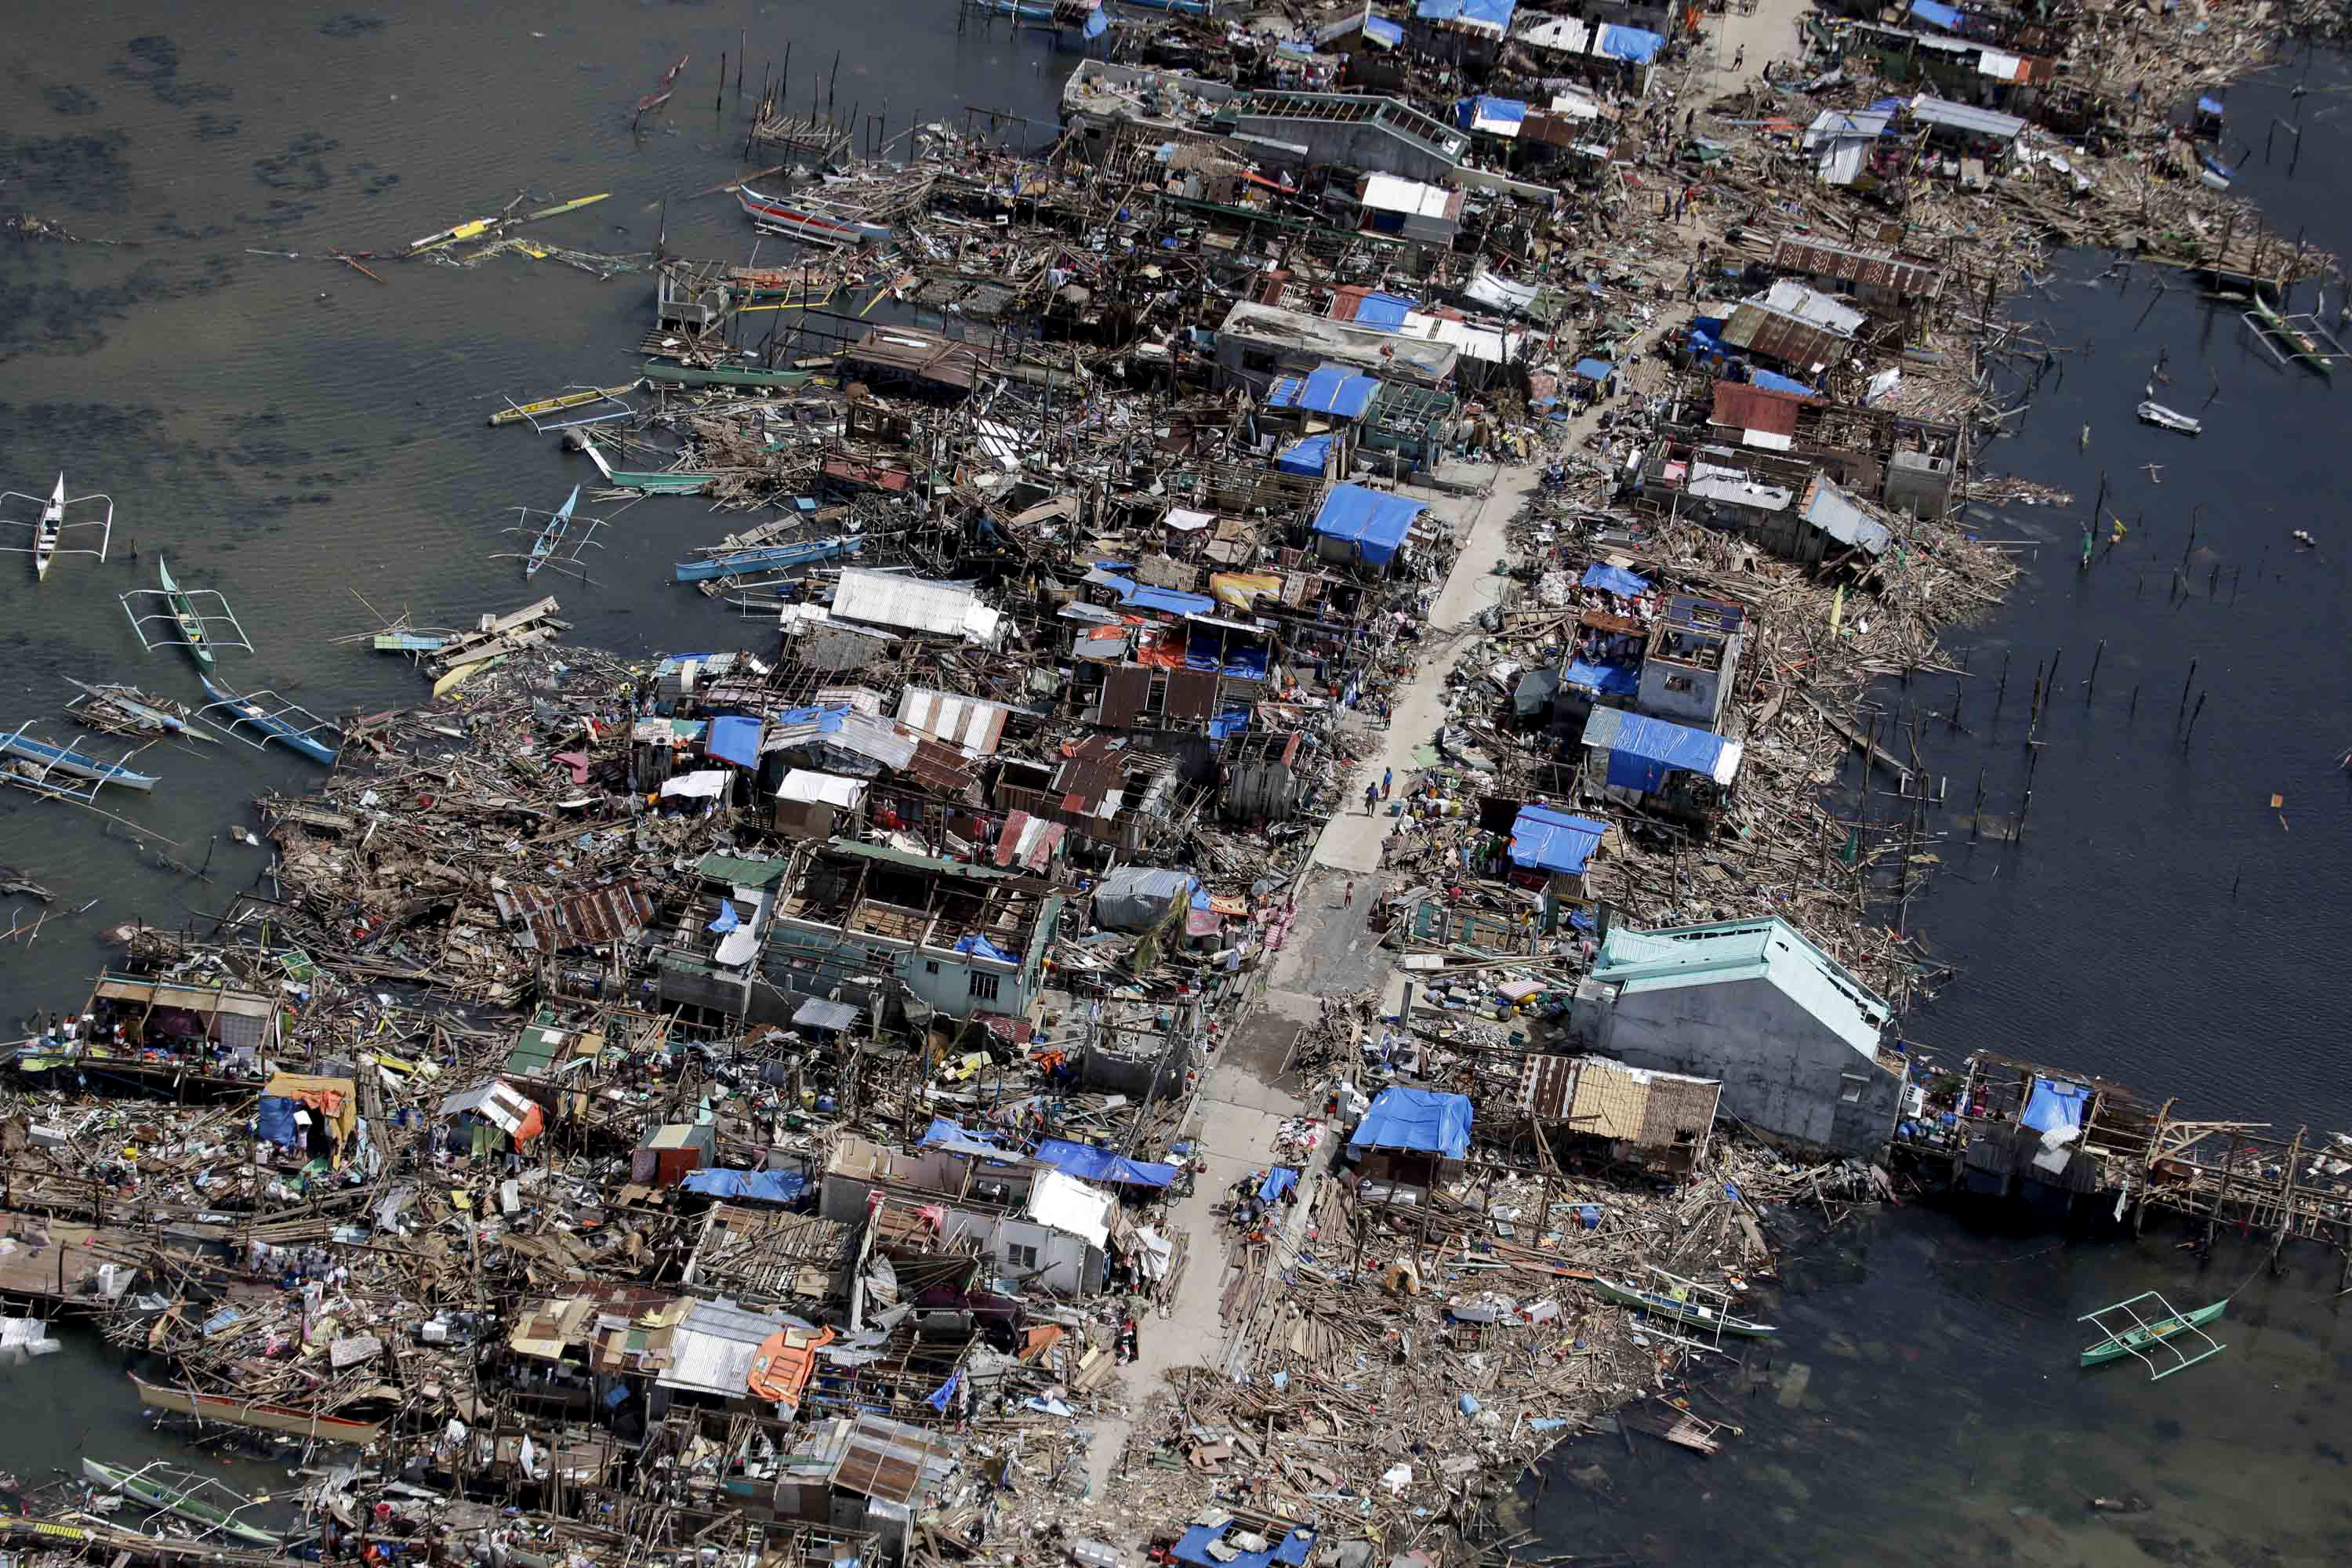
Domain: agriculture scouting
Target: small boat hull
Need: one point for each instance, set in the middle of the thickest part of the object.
(1689, 1313)
(65, 760)
(816, 221)
(2157, 413)
(160, 1494)
(260, 1415)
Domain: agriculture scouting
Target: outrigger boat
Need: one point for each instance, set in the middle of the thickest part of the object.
(104, 707)
(259, 1414)
(2302, 344)
(814, 220)
(66, 760)
(199, 633)
(2171, 419)
(1695, 1315)
(49, 528)
(182, 1494)
(2149, 1334)
(311, 738)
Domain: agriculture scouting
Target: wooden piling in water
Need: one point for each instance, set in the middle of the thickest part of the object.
(2184, 691)
(2092, 679)
(2192, 718)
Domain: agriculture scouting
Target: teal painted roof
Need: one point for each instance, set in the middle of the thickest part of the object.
(1769, 949)
(740, 872)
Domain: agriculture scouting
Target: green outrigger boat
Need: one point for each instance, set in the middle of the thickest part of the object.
(2151, 1333)
(1695, 1314)
(183, 610)
(178, 1492)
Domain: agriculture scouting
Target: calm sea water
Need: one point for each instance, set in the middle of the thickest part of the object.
(297, 437)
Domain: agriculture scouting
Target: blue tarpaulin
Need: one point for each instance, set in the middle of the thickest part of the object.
(938, 1398)
(2208, 104)
(1646, 750)
(1419, 1119)
(1772, 380)
(1310, 456)
(1278, 1181)
(1384, 312)
(1089, 1163)
(1493, 111)
(1381, 30)
(2054, 1103)
(1193, 1548)
(1546, 838)
(1936, 15)
(1329, 390)
(1376, 520)
(1594, 370)
(759, 1186)
(726, 919)
(276, 1121)
(1608, 679)
(951, 1136)
(1490, 13)
(734, 739)
(975, 942)
(1098, 23)
(1616, 579)
(1172, 602)
(1634, 44)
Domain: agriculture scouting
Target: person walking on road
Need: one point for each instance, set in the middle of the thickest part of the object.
(1347, 895)
(1387, 781)
(1372, 798)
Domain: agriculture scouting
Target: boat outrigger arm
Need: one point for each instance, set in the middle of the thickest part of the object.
(2162, 1338)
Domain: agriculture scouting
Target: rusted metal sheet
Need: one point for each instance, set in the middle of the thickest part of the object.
(1783, 338)
(1126, 688)
(1904, 279)
(1547, 1086)
(1192, 694)
(552, 920)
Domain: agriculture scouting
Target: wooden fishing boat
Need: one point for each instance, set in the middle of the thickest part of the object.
(310, 739)
(2132, 1341)
(66, 760)
(258, 1414)
(551, 536)
(516, 413)
(816, 220)
(103, 706)
(2303, 346)
(2168, 419)
(766, 558)
(183, 612)
(182, 1494)
(1695, 1315)
(52, 526)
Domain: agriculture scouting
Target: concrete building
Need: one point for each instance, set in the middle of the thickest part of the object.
(1258, 345)
(1791, 1034)
(1919, 483)
(1692, 661)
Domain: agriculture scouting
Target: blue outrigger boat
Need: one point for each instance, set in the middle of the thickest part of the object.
(551, 536)
(312, 739)
(66, 760)
(766, 558)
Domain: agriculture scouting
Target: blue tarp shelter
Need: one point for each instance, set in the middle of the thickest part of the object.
(1937, 15)
(1646, 750)
(726, 920)
(1616, 579)
(1606, 679)
(1417, 1119)
(1495, 15)
(1634, 44)
(1089, 1163)
(276, 1121)
(1773, 381)
(735, 739)
(1373, 520)
(2054, 1103)
(1384, 312)
(759, 1186)
(1193, 1548)
(1488, 113)
(1172, 602)
(1544, 837)
(1326, 390)
(975, 942)
(1278, 1181)
(1310, 456)
(1595, 371)
(1098, 23)
(1381, 30)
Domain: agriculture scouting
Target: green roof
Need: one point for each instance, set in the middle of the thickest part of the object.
(740, 872)
(1769, 949)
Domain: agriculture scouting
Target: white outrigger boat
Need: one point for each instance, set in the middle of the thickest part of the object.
(49, 528)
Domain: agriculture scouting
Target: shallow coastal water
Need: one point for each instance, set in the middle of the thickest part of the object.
(295, 435)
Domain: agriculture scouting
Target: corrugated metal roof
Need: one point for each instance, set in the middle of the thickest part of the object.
(711, 1351)
(1966, 117)
(1784, 338)
(552, 920)
(912, 604)
(1743, 407)
(970, 723)
(1840, 517)
(888, 1461)
(1901, 275)
(1126, 688)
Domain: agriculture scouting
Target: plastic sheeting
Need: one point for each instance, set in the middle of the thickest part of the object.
(1278, 1181)
(735, 739)
(1545, 838)
(951, 1136)
(1646, 750)
(707, 784)
(2053, 1104)
(1384, 312)
(1137, 898)
(1193, 1547)
(1618, 43)
(1418, 1119)
(1616, 579)
(1604, 679)
(1772, 380)
(1936, 15)
(1328, 389)
(977, 943)
(276, 1120)
(1089, 1163)
(1594, 370)
(1376, 521)
(1310, 456)
(759, 1186)
(1486, 15)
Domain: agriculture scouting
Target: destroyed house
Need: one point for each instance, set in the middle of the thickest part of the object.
(144, 1024)
(1028, 1222)
(1876, 279)
(944, 936)
(1258, 345)
(708, 957)
(863, 1472)
(1693, 660)
(1350, 130)
(1358, 524)
(1799, 327)
(766, 1255)
(1638, 1115)
(1407, 1139)
(1106, 788)
(1674, 770)
(1792, 1035)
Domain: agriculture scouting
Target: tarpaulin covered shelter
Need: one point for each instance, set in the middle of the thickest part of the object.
(1419, 1119)
(332, 1102)
(753, 1186)
(1089, 1163)
(1616, 579)
(1328, 389)
(1643, 750)
(1544, 837)
(1373, 520)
